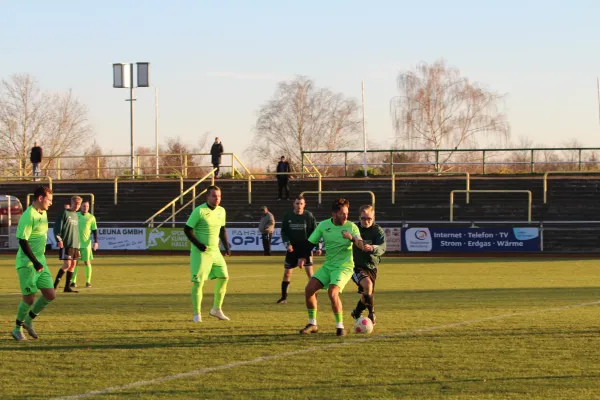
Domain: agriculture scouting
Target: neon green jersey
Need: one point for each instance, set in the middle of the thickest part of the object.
(33, 227)
(87, 224)
(207, 224)
(338, 250)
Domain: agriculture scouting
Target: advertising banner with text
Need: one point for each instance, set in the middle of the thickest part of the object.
(240, 239)
(470, 240)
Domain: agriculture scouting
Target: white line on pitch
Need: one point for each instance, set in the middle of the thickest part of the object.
(205, 371)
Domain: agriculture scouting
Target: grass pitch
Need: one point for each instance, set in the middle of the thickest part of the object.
(447, 328)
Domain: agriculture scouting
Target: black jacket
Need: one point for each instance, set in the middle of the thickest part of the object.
(283, 166)
(36, 154)
(215, 151)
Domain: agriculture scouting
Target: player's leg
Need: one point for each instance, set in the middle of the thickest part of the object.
(307, 264)
(220, 274)
(368, 286)
(45, 285)
(291, 261)
(88, 274)
(26, 275)
(338, 280)
(62, 255)
(86, 256)
(73, 254)
(317, 282)
(74, 278)
(200, 264)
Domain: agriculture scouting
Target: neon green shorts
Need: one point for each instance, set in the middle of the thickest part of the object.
(207, 265)
(328, 275)
(30, 280)
(86, 253)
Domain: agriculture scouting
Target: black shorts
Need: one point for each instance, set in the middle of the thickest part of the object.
(360, 273)
(69, 253)
(291, 258)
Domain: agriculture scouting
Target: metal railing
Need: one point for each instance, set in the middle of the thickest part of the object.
(437, 159)
(319, 182)
(32, 178)
(116, 184)
(319, 192)
(150, 221)
(92, 198)
(466, 174)
(563, 173)
(109, 166)
(530, 202)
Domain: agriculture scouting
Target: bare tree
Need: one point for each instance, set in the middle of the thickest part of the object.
(300, 117)
(439, 109)
(27, 114)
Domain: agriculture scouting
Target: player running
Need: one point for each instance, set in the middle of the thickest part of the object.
(33, 271)
(366, 261)
(338, 235)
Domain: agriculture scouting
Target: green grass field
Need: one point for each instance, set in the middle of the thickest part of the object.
(447, 328)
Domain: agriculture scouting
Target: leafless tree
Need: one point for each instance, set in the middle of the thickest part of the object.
(439, 109)
(27, 114)
(301, 117)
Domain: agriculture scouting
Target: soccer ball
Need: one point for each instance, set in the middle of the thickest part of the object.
(363, 325)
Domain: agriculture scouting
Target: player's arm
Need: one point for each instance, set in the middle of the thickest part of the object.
(95, 234)
(354, 237)
(57, 228)
(379, 246)
(24, 244)
(189, 232)
(285, 238)
(225, 240)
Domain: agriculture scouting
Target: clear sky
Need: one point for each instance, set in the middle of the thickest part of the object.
(215, 62)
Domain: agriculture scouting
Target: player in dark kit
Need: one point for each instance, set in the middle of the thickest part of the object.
(66, 231)
(296, 227)
(367, 260)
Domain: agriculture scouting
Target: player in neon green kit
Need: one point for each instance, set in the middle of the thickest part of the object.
(31, 265)
(204, 228)
(87, 228)
(338, 235)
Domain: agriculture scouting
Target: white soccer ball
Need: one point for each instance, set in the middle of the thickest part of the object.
(363, 325)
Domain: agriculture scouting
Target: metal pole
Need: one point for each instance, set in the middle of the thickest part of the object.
(156, 125)
(598, 98)
(131, 93)
(364, 129)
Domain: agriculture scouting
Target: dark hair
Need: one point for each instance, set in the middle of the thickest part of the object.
(338, 204)
(213, 188)
(300, 197)
(42, 191)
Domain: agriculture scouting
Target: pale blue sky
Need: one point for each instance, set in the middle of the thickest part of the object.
(216, 62)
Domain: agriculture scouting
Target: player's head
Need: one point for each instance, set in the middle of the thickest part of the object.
(76, 203)
(299, 204)
(43, 197)
(213, 196)
(339, 211)
(265, 209)
(85, 207)
(367, 216)
(68, 205)
(217, 140)
(282, 158)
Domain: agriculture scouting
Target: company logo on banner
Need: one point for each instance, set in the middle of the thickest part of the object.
(472, 239)
(167, 239)
(114, 238)
(240, 239)
(393, 239)
(418, 239)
